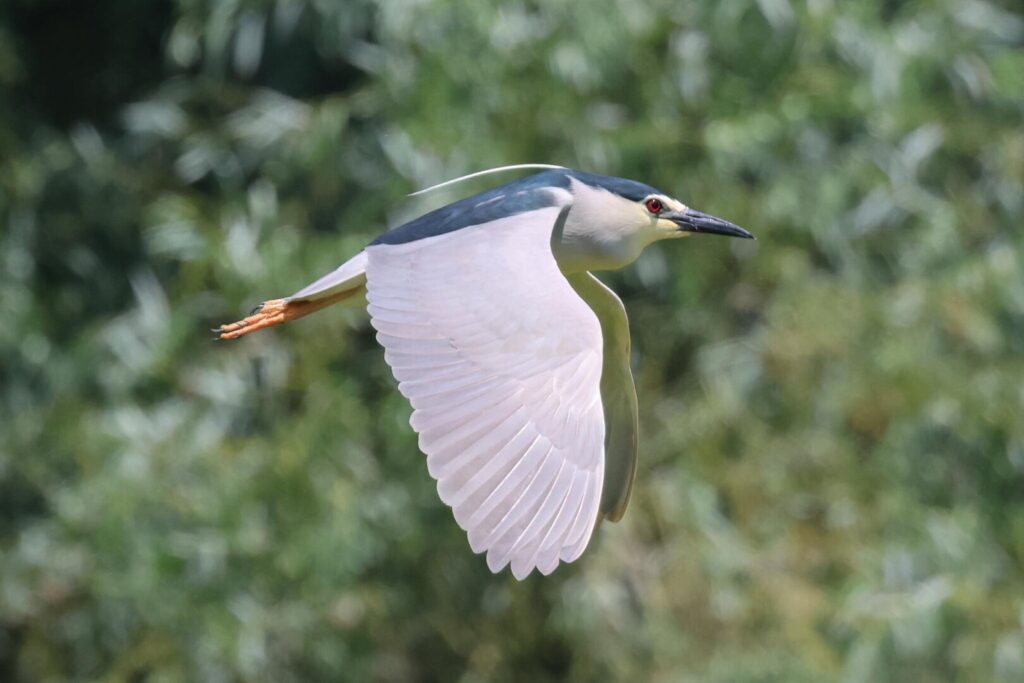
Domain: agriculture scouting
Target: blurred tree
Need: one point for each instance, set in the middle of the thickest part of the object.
(833, 456)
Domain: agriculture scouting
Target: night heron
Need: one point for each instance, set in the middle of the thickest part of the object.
(514, 357)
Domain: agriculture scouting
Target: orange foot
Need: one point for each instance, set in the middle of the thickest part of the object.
(267, 314)
(275, 312)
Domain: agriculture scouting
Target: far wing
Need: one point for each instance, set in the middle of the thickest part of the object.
(350, 275)
(501, 361)
(618, 395)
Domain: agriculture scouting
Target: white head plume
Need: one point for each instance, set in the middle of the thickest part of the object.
(489, 171)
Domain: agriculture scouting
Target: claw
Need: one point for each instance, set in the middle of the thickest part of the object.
(275, 312)
(268, 313)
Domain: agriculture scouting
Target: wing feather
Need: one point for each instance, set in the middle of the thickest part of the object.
(505, 535)
(523, 550)
(546, 554)
(485, 520)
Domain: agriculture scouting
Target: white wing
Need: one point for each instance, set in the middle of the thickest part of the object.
(501, 361)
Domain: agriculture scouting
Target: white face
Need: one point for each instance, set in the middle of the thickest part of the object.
(604, 231)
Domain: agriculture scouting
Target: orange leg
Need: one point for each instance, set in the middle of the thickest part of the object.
(275, 312)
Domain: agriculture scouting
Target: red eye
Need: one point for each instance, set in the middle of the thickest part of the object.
(654, 205)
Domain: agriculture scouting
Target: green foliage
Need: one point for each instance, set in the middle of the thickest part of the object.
(831, 484)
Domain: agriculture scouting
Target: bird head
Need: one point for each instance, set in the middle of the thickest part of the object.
(634, 206)
(612, 220)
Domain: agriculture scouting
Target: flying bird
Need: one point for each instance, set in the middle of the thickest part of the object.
(515, 358)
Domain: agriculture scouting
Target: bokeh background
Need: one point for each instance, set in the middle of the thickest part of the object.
(831, 484)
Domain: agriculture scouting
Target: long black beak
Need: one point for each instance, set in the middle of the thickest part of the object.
(695, 221)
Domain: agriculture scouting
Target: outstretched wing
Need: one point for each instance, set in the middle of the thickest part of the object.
(501, 361)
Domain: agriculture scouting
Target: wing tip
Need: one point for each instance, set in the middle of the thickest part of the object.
(522, 573)
(496, 562)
